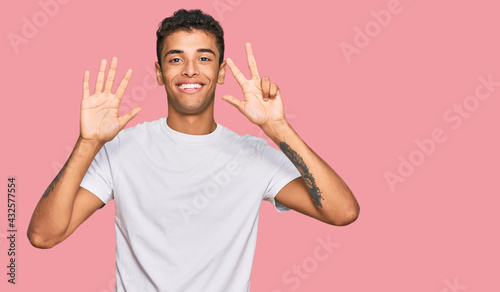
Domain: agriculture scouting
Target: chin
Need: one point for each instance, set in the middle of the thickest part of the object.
(193, 109)
(191, 106)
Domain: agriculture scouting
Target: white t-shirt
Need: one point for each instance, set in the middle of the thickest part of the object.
(186, 206)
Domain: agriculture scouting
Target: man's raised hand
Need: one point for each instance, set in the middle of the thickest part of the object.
(99, 119)
(262, 103)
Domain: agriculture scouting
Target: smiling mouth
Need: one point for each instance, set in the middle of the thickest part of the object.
(190, 86)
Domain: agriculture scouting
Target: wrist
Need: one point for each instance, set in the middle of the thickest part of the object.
(89, 144)
(276, 130)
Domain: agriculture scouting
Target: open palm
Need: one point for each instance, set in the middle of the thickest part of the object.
(262, 103)
(99, 118)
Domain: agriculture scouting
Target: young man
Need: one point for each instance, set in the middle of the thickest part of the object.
(187, 190)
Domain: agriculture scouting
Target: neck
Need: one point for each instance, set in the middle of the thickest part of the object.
(197, 124)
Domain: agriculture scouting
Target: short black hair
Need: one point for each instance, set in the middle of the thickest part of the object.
(187, 20)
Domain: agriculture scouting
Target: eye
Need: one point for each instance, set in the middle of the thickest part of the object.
(175, 60)
(204, 59)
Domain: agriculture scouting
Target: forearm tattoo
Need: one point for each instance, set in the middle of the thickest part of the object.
(50, 188)
(308, 178)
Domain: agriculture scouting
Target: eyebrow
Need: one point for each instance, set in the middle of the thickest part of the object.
(202, 50)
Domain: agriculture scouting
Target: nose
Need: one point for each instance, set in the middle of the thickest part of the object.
(190, 69)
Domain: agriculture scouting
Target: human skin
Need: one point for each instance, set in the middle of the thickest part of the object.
(190, 58)
(320, 192)
(187, 58)
(65, 205)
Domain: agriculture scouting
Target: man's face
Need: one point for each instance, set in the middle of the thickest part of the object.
(190, 71)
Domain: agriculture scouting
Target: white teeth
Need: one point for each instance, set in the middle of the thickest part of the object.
(190, 86)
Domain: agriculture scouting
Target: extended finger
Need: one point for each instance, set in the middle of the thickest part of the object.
(100, 76)
(86, 86)
(123, 84)
(265, 84)
(274, 91)
(233, 101)
(111, 75)
(236, 72)
(128, 116)
(251, 61)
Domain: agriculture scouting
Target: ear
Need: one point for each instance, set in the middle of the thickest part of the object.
(222, 73)
(159, 74)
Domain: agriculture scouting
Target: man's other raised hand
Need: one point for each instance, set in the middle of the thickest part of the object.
(262, 103)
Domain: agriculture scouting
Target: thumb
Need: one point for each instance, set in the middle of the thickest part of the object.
(233, 100)
(129, 116)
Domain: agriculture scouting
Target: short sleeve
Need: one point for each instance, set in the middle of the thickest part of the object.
(281, 171)
(98, 179)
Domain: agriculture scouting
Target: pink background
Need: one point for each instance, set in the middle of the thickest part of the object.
(435, 229)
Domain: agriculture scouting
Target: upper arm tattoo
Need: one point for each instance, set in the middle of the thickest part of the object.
(308, 178)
